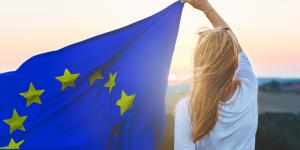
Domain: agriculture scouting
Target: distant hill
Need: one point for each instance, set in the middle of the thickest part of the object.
(262, 81)
(282, 86)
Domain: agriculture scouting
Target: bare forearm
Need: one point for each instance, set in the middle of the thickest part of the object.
(217, 21)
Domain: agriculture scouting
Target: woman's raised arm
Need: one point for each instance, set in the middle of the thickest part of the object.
(216, 20)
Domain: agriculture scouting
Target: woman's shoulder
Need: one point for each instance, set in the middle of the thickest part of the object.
(182, 105)
(182, 114)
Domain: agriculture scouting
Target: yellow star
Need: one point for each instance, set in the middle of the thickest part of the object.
(67, 79)
(125, 102)
(32, 95)
(95, 76)
(16, 122)
(111, 83)
(13, 145)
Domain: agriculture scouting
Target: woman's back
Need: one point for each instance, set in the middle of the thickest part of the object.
(237, 121)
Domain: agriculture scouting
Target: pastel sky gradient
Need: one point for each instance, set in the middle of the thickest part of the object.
(268, 30)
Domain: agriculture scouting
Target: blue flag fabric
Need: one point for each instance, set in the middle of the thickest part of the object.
(106, 92)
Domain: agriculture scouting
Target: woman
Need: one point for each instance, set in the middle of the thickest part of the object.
(220, 113)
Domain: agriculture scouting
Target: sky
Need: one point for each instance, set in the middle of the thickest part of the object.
(268, 30)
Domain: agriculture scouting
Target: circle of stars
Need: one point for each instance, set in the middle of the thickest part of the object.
(67, 80)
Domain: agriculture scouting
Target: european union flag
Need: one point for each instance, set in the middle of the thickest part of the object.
(106, 92)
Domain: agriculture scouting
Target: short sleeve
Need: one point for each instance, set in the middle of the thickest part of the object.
(245, 72)
(183, 129)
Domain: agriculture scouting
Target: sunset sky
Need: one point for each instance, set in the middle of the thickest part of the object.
(268, 30)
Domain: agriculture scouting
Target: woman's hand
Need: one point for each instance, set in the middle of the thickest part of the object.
(202, 5)
(216, 20)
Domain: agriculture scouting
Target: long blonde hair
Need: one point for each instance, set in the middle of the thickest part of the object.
(215, 63)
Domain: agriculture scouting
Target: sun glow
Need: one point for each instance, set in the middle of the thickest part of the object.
(172, 77)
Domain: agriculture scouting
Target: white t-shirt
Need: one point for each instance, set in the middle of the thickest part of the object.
(238, 117)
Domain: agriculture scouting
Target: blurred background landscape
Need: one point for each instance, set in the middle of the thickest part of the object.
(279, 113)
